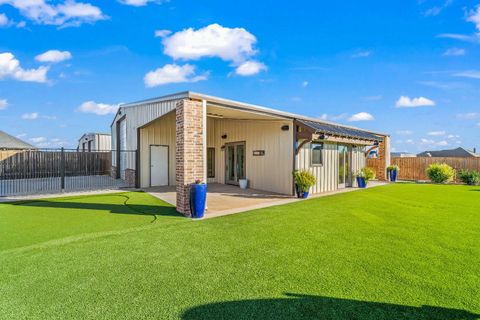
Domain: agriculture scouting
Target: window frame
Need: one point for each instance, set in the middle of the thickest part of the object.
(211, 150)
(312, 145)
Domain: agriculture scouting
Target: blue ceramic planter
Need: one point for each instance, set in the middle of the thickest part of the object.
(305, 195)
(393, 175)
(361, 182)
(198, 199)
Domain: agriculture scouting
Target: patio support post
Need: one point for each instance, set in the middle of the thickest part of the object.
(189, 151)
(384, 157)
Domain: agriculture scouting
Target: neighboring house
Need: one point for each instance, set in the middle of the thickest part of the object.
(187, 136)
(95, 142)
(10, 145)
(402, 155)
(451, 153)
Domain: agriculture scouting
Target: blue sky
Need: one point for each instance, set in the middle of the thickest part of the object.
(409, 68)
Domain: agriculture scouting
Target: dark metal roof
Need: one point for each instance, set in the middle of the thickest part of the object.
(10, 142)
(332, 129)
(458, 152)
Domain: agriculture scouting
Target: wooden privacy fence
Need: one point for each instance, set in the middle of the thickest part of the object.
(414, 168)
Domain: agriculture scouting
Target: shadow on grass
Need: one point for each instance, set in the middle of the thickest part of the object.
(125, 208)
(315, 307)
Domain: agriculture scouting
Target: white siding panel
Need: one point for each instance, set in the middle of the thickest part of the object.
(271, 172)
(138, 116)
(159, 132)
(326, 174)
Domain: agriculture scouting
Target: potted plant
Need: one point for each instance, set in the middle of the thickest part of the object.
(198, 199)
(363, 176)
(393, 172)
(304, 180)
(361, 182)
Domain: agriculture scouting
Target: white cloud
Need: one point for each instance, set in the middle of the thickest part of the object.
(406, 102)
(305, 84)
(229, 44)
(100, 109)
(436, 133)
(434, 11)
(468, 116)
(139, 3)
(362, 54)
(474, 74)
(430, 142)
(30, 116)
(21, 24)
(54, 56)
(461, 37)
(66, 13)
(454, 52)
(361, 116)
(409, 141)
(250, 68)
(162, 33)
(4, 20)
(172, 73)
(329, 117)
(3, 104)
(10, 68)
(38, 139)
(474, 16)
(404, 132)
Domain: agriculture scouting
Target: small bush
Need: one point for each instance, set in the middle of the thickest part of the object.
(470, 177)
(440, 173)
(304, 180)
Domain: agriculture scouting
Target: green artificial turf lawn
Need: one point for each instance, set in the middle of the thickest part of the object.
(402, 251)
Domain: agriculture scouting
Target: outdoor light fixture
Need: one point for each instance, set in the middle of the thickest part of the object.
(224, 136)
(322, 137)
(285, 127)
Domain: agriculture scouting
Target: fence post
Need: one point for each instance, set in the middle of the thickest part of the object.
(62, 169)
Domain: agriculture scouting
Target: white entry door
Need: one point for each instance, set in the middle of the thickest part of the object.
(158, 166)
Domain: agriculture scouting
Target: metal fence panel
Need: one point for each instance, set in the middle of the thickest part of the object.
(24, 172)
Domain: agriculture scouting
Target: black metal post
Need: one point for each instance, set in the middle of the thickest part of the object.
(62, 169)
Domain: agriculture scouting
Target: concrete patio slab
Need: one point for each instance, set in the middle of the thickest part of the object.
(225, 199)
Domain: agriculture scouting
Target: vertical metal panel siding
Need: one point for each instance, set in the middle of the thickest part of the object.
(358, 162)
(326, 174)
(271, 172)
(159, 132)
(137, 116)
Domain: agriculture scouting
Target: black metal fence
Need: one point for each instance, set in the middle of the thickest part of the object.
(24, 172)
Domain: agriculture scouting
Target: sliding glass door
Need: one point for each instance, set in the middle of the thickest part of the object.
(344, 168)
(234, 162)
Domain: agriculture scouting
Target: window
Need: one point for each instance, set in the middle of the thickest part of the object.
(211, 162)
(317, 159)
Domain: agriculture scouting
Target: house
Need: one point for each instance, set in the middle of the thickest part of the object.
(453, 153)
(10, 142)
(10, 145)
(187, 136)
(402, 155)
(95, 142)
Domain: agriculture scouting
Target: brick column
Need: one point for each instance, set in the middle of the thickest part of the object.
(384, 157)
(189, 150)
